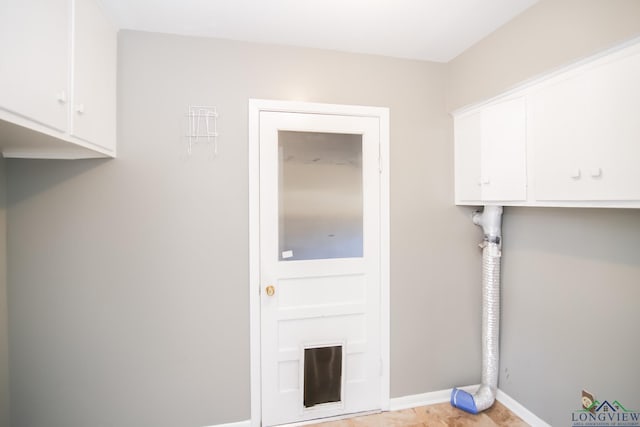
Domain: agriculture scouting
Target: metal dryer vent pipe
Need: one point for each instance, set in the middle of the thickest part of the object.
(490, 220)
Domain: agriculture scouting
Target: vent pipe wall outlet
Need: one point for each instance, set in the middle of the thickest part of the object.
(490, 219)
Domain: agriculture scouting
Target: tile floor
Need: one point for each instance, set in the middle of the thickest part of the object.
(441, 414)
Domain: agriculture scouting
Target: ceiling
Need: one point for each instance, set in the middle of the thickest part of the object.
(433, 30)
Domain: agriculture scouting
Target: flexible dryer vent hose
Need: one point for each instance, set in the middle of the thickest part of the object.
(490, 221)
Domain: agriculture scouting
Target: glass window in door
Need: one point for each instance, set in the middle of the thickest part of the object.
(320, 195)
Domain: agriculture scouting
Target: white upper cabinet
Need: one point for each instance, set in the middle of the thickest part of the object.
(34, 64)
(57, 79)
(490, 153)
(585, 131)
(573, 137)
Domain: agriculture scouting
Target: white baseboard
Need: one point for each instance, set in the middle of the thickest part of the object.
(441, 396)
(516, 407)
(246, 423)
(424, 399)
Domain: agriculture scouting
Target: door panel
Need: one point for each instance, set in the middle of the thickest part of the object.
(320, 257)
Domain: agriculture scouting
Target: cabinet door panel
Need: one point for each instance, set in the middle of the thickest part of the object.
(503, 166)
(557, 132)
(490, 153)
(468, 141)
(94, 109)
(613, 165)
(586, 138)
(34, 41)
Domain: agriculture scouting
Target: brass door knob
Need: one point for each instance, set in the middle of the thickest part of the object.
(271, 290)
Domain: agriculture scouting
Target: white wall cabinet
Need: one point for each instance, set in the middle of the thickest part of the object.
(57, 79)
(582, 137)
(585, 131)
(490, 153)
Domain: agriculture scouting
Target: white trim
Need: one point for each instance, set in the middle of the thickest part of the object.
(424, 399)
(254, 260)
(255, 107)
(328, 419)
(246, 423)
(385, 256)
(516, 407)
(441, 396)
(258, 105)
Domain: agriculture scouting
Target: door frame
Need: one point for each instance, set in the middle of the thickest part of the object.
(382, 114)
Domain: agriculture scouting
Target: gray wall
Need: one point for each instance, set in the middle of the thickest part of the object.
(571, 286)
(571, 277)
(129, 278)
(4, 328)
(546, 36)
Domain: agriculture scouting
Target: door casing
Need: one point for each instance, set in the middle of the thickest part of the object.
(382, 114)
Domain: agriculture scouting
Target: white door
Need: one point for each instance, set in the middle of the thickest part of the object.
(320, 280)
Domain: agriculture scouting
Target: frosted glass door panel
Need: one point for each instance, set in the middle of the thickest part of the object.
(320, 195)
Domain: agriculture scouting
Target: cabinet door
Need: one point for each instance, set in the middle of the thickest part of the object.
(34, 41)
(490, 153)
(468, 141)
(94, 83)
(503, 165)
(586, 134)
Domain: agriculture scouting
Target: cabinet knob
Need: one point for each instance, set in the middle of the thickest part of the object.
(271, 290)
(61, 97)
(80, 108)
(596, 173)
(575, 174)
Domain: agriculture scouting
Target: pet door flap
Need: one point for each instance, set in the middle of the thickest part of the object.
(322, 375)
